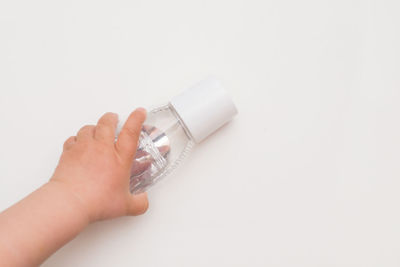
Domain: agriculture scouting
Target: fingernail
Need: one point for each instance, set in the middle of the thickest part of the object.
(140, 109)
(114, 114)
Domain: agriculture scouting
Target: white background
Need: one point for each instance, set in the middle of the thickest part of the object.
(307, 174)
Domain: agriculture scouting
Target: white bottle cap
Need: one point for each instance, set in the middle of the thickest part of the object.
(204, 108)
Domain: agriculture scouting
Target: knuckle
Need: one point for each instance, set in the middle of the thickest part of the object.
(104, 131)
(69, 141)
(132, 132)
(86, 127)
(103, 122)
(101, 126)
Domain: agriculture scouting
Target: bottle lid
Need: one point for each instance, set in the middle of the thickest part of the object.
(204, 108)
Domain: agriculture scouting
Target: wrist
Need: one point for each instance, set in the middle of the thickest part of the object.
(70, 199)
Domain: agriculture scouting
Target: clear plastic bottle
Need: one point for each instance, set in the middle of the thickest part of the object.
(170, 131)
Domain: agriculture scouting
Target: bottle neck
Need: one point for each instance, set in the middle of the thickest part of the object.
(180, 122)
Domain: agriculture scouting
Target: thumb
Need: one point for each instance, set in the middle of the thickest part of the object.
(126, 144)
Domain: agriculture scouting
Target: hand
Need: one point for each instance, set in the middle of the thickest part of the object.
(95, 169)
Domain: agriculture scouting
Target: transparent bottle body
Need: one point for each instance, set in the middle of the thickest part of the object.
(163, 143)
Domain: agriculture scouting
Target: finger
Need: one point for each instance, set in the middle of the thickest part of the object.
(69, 142)
(142, 162)
(105, 128)
(138, 204)
(85, 133)
(127, 140)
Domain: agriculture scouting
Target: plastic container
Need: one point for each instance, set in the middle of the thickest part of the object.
(171, 130)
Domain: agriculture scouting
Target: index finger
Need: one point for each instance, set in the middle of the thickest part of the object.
(105, 128)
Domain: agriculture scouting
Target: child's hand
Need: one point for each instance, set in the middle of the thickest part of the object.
(95, 169)
(90, 183)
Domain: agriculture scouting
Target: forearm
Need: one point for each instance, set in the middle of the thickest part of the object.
(90, 183)
(38, 225)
